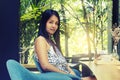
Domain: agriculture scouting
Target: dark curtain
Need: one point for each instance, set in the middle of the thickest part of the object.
(9, 39)
(115, 19)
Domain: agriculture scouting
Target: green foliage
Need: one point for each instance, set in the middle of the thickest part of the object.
(96, 21)
(30, 12)
(34, 14)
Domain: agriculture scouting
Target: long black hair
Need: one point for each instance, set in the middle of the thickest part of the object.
(44, 18)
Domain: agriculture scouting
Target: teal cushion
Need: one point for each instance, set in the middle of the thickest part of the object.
(18, 72)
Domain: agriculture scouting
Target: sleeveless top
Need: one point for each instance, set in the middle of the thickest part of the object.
(56, 59)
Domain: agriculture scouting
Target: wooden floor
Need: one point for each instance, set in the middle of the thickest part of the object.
(105, 68)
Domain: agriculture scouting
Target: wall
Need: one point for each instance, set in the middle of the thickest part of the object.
(9, 39)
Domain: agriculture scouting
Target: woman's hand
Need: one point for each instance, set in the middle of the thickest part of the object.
(72, 73)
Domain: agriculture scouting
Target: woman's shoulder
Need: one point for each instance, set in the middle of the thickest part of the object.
(40, 39)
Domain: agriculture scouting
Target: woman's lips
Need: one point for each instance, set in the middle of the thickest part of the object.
(52, 30)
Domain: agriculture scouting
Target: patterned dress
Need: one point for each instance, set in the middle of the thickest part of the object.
(56, 59)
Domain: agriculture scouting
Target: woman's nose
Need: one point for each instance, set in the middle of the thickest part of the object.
(54, 25)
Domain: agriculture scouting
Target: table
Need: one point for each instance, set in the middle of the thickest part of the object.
(105, 68)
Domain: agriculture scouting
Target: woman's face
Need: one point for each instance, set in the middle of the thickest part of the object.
(52, 25)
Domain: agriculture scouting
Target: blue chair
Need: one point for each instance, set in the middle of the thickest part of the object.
(18, 72)
(69, 75)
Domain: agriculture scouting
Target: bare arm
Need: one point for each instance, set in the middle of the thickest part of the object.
(41, 48)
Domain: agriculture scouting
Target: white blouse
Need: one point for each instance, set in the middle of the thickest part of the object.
(56, 59)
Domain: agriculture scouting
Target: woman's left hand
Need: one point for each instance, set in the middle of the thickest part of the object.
(72, 73)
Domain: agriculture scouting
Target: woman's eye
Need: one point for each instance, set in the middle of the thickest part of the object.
(56, 23)
(50, 22)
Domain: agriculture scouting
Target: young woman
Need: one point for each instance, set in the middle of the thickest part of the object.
(46, 51)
